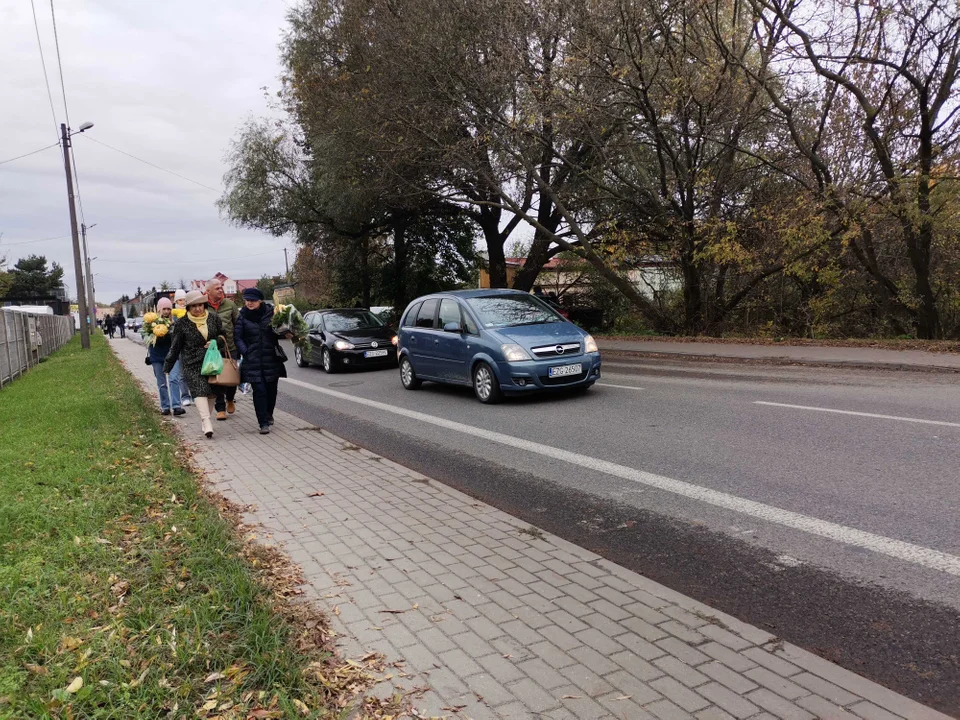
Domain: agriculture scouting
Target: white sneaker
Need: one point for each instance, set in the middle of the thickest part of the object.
(186, 401)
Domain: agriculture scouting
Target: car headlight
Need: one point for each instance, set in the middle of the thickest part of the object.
(514, 353)
(394, 340)
(590, 345)
(343, 345)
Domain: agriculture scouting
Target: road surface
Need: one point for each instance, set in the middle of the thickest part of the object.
(820, 504)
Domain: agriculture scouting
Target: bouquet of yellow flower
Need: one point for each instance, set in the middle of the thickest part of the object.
(286, 318)
(179, 312)
(154, 327)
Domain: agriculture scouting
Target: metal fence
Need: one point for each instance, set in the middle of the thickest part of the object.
(28, 338)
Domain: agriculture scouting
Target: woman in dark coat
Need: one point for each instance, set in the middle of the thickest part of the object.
(191, 335)
(259, 346)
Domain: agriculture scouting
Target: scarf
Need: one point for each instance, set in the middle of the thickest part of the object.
(200, 322)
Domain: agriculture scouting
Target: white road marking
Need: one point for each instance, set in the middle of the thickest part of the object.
(625, 387)
(917, 554)
(860, 414)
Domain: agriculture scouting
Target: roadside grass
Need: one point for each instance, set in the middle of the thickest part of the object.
(124, 589)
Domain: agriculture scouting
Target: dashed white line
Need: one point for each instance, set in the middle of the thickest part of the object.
(917, 554)
(860, 414)
(625, 387)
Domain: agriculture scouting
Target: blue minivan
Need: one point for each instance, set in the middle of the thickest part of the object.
(498, 341)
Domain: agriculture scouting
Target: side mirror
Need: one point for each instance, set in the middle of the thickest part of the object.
(452, 327)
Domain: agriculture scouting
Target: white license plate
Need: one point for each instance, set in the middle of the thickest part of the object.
(565, 370)
(376, 353)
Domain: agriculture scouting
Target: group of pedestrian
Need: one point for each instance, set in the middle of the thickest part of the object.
(244, 333)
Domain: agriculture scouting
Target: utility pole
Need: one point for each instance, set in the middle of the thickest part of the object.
(77, 263)
(91, 303)
(286, 264)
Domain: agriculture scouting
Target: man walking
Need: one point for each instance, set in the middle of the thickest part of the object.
(121, 323)
(227, 309)
(108, 325)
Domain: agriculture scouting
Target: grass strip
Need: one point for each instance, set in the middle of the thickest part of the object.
(125, 591)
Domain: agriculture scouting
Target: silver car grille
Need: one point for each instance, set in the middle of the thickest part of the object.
(558, 350)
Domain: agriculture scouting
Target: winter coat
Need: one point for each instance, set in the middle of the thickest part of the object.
(228, 315)
(160, 347)
(108, 322)
(258, 342)
(187, 345)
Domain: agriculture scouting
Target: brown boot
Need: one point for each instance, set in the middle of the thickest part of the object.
(231, 407)
(221, 415)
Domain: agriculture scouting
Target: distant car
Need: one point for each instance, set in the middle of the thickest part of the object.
(134, 324)
(347, 338)
(497, 341)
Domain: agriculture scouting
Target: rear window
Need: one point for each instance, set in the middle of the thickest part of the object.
(425, 316)
(512, 310)
(411, 318)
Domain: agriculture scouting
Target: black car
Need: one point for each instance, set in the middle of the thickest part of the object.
(347, 338)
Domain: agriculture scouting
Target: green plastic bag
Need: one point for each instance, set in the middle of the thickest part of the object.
(212, 361)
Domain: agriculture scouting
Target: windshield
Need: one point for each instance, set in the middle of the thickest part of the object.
(511, 310)
(351, 320)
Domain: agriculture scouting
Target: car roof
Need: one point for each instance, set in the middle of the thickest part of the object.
(477, 293)
(336, 310)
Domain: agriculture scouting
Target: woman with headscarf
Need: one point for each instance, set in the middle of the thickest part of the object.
(192, 336)
(179, 311)
(259, 346)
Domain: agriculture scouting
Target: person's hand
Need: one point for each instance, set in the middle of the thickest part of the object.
(288, 335)
(208, 343)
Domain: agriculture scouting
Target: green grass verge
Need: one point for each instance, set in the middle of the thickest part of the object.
(117, 570)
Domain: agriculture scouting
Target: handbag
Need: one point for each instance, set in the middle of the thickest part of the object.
(281, 355)
(229, 376)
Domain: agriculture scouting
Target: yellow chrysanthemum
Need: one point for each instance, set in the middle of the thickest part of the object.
(160, 330)
(150, 317)
(179, 312)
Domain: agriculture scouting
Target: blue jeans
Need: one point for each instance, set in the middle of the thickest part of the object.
(165, 396)
(176, 381)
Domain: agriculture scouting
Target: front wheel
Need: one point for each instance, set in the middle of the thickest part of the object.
(485, 384)
(327, 361)
(408, 377)
(298, 356)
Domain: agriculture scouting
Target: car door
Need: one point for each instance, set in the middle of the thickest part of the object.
(314, 337)
(422, 339)
(450, 346)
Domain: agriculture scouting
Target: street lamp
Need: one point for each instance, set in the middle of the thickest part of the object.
(65, 136)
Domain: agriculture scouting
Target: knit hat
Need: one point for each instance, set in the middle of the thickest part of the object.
(180, 294)
(164, 304)
(252, 293)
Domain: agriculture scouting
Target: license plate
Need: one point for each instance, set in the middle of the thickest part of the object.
(376, 353)
(565, 370)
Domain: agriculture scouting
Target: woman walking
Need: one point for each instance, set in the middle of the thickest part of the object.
(191, 337)
(157, 352)
(179, 310)
(259, 346)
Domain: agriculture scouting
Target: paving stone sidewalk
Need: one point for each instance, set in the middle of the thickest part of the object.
(495, 618)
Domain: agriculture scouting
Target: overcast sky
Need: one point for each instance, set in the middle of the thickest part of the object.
(169, 82)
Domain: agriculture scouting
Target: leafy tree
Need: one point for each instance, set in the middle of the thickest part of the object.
(266, 285)
(32, 279)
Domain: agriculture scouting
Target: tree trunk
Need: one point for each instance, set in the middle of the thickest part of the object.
(365, 279)
(497, 261)
(537, 257)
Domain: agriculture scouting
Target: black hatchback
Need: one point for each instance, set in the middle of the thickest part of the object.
(347, 338)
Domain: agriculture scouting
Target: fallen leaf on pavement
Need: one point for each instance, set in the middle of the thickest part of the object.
(315, 494)
(624, 697)
(393, 612)
(571, 697)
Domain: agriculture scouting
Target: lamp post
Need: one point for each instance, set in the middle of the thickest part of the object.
(91, 304)
(65, 135)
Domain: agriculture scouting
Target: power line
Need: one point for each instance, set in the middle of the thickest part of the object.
(66, 111)
(146, 162)
(18, 157)
(198, 262)
(30, 242)
(43, 62)
(56, 40)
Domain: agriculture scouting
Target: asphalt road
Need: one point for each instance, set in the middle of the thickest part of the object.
(735, 484)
